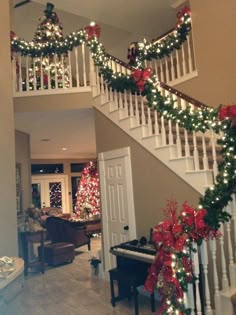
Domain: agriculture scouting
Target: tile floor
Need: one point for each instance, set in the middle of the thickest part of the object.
(70, 289)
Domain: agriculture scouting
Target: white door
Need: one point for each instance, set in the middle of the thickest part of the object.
(49, 191)
(118, 217)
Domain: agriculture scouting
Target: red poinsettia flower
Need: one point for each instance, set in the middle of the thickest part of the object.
(232, 110)
(140, 77)
(183, 11)
(177, 229)
(92, 31)
(180, 243)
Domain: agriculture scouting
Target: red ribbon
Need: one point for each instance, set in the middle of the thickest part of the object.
(12, 35)
(93, 31)
(140, 77)
(183, 11)
(227, 112)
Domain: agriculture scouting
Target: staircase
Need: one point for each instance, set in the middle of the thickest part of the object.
(193, 156)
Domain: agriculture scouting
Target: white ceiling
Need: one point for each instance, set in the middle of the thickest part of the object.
(121, 22)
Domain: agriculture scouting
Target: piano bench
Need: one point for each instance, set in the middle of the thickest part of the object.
(127, 286)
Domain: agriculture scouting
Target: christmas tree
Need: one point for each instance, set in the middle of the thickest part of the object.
(88, 195)
(52, 70)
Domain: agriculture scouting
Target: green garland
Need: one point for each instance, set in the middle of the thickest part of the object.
(164, 47)
(202, 119)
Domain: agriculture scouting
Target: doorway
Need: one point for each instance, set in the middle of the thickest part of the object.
(50, 191)
(118, 215)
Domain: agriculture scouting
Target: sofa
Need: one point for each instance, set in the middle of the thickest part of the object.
(62, 231)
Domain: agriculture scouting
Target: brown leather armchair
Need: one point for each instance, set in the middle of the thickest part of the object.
(60, 230)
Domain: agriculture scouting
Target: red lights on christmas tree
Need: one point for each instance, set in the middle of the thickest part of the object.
(88, 195)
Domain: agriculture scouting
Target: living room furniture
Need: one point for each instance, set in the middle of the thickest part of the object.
(28, 237)
(62, 231)
(93, 226)
(58, 253)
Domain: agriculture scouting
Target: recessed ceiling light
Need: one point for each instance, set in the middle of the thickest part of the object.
(64, 149)
(45, 140)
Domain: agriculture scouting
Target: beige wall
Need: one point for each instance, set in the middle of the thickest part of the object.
(8, 222)
(214, 24)
(153, 182)
(22, 145)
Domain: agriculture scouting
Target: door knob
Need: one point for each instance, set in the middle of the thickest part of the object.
(126, 227)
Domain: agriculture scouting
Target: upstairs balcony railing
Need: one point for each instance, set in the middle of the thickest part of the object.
(171, 58)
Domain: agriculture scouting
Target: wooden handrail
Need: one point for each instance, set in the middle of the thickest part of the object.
(162, 36)
(164, 85)
(183, 95)
(121, 62)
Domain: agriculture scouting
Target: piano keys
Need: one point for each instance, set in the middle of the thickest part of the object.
(132, 250)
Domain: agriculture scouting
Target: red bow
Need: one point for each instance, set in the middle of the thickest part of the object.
(183, 11)
(140, 77)
(93, 31)
(12, 35)
(228, 111)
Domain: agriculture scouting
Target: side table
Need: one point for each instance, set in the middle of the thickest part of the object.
(32, 237)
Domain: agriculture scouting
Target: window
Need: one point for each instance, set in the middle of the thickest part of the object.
(47, 169)
(77, 167)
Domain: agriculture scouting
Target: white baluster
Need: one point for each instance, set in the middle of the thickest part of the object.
(230, 250)
(215, 278)
(63, 71)
(20, 73)
(131, 107)
(172, 67)
(116, 105)
(70, 69)
(143, 118)
(49, 77)
(157, 130)
(77, 67)
(98, 81)
(215, 164)
(92, 74)
(205, 158)
(125, 104)
(137, 114)
(190, 61)
(204, 260)
(177, 63)
(170, 134)
(183, 60)
(111, 95)
(14, 74)
(102, 85)
(27, 74)
(186, 144)
(196, 274)
(178, 141)
(195, 152)
(167, 70)
(163, 131)
(161, 74)
(84, 65)
(225, 282)
(56, 74)
(149, 122)
(34, 74)
(233, 211)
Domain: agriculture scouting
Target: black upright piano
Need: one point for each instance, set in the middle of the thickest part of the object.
(133, 261)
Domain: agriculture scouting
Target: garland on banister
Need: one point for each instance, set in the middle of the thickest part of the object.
(143, 50)
(172, 270)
